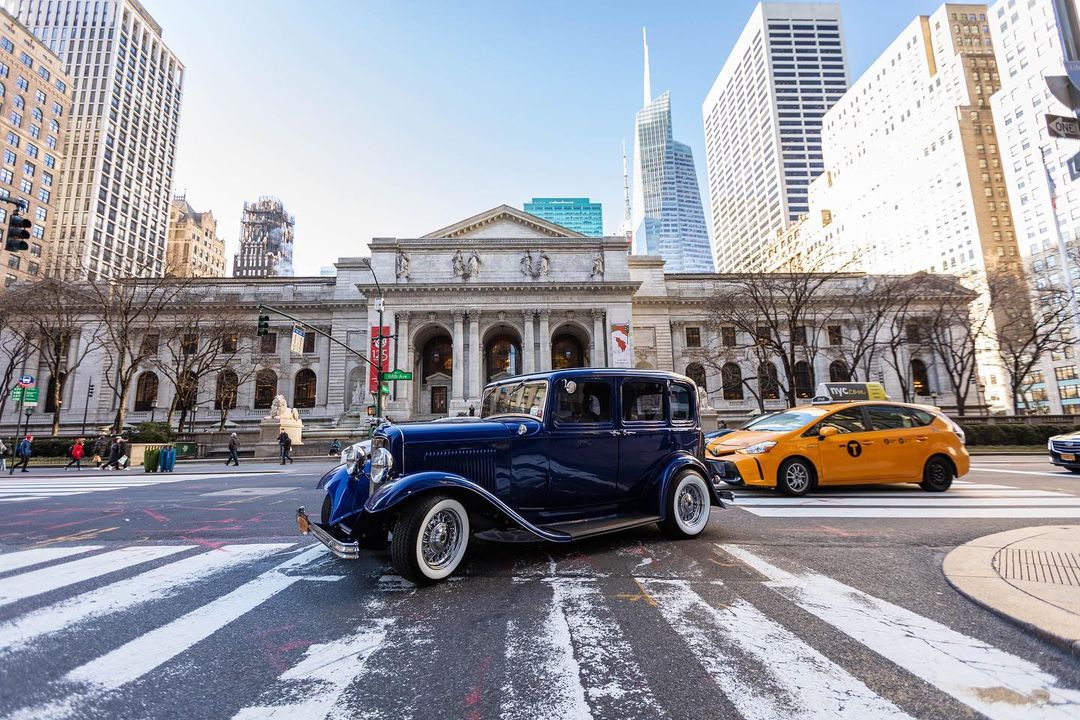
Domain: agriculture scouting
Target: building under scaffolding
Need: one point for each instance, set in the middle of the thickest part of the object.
(266, 240)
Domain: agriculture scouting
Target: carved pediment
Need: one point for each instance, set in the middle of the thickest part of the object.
(504, 222)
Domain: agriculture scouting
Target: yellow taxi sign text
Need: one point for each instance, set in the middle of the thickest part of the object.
(849, 392)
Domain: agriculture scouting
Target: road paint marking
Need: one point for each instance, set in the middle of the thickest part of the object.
(253, 491)
(940, 501)
(76, 537)
(812, 686)
(26, 558)
(1059, 475)
(900, 512)
(156, 584)
(953, 493)
(147, 652)
(995, 683)
(543, 661)
(36, 582)
(326, 671)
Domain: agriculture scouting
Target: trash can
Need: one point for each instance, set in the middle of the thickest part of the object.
(150, 459)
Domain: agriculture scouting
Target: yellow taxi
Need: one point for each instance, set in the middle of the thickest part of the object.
(858, 440)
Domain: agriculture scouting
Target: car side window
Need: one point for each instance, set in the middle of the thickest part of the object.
(679, 397)
(887, 417)
(642, 400)
(848, 420)
(586, 401)
(921, 418)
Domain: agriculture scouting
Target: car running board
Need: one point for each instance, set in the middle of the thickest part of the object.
(579, 529)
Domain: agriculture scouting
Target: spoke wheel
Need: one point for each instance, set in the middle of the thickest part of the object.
(795, 477)
(688, 506)
(430, 538)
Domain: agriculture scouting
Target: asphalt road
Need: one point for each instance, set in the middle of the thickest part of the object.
(195, 598)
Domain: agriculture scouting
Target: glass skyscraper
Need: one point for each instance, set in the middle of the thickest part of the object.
(577, 214)
(668, 219)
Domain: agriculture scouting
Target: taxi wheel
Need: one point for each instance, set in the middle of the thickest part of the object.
(795, 477)
(688, 506)
(429, 539)
(937, 475)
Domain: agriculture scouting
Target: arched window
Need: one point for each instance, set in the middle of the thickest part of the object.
(265, 388)
(804, 380)
(146, 392)
(227, 384)
(304, 389)
(731, 377)
(438, 356)
(503, 355)
(566, 352)
(768, 384)
(838, 371)
(920, 381)
(695, 372)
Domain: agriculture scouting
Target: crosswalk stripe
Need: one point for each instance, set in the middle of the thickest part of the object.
(26, 558)
(814, 686)
(1060, 474)
(19, 587)
(330, 667)
(950, 495)
(125, 594)
(995, 683)
(901, 512)
(939, 502)
(145, 653)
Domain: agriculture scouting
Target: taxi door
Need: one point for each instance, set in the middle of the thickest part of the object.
(847, 456)
(903, 444)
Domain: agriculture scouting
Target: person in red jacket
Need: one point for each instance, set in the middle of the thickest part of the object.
(77, 452)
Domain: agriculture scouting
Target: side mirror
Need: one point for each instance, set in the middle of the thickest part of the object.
(827, 431)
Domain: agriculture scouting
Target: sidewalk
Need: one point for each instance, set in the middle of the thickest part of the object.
(1030, 576)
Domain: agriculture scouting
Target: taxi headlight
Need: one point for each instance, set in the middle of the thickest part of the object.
(761, 447)
(354, 457)
(381, 463)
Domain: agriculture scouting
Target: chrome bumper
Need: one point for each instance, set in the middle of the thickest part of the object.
(343, 550)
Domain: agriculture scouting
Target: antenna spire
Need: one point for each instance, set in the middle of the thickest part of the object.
(648, 88)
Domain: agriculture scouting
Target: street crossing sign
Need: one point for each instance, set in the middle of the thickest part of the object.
(1063, 127)
(396, 375)
(26, 380)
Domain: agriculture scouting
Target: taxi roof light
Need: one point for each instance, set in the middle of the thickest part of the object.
(834, 392)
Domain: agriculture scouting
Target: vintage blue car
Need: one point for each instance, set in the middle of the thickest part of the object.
(557, 456)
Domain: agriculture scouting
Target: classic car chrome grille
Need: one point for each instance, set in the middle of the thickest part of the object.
(1070, 446)
(476, 465)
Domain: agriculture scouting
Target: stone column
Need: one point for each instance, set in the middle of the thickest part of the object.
(528, 349)
(545, 341)
(404, 361)
(458, 385)
(599, 356)
(476, 354)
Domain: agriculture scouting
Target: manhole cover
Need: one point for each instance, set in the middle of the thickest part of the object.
(1058, 568)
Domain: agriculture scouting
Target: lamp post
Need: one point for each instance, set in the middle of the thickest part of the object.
(153, 409)
(380, 302)
(18, 434)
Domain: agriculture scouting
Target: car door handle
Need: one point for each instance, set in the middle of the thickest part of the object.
(628, 432)
(615, 433)
(866, 442)
(922, 438)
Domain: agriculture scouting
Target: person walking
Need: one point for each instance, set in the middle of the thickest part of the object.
(101, 450)
(77, 452)
(116, 449)
(285, 443)
(234, 447)
(22, 453)
(3, 456)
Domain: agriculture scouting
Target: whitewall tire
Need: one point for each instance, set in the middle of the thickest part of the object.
(688, 505)
(430, 539)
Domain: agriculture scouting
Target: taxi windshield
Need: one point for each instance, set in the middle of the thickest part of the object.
(521, 398)
(785, 421)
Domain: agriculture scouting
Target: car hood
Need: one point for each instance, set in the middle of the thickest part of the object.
(452, 432)
(1074, 435)
(727, 444)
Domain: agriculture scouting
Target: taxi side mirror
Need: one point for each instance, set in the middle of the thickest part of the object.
(827, 431)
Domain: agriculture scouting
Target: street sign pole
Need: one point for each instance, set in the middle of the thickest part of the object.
(18, 433)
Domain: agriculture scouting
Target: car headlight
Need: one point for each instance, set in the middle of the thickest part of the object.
(353, 456)
(1050, 444)
(761, 447)
(381, 463)
(379, 441)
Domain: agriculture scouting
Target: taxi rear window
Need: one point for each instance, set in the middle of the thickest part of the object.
(893, 417)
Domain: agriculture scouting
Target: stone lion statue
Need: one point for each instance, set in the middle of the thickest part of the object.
(279, 408)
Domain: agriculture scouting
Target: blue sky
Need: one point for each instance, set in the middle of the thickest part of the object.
(373, 119)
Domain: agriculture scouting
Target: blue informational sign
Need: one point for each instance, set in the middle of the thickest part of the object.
(26, 380)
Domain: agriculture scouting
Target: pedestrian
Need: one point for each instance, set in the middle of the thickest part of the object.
(472, 411)
(116, 450)
(285, 443)
(76, 454)
(335, 448)
(234, 447)
(101, 449)
(3, 456)
(22, 453)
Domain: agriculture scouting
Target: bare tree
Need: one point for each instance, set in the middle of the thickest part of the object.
(875, 304)
(960, 322)
(227, 388)
(130, 308)
(1029, 324)
(14, 347)
(63, 329)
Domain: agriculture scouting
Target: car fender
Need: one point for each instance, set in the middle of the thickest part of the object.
(410, 486)
(347, 493)
(328, 476)
(674, 465)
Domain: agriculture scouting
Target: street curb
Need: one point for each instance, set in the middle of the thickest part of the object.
(964, 585)
(1024, 453)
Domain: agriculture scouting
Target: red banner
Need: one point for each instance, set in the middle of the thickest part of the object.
(384, 365)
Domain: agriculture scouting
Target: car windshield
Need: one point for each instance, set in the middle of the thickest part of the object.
(521, 398)
(785, 421)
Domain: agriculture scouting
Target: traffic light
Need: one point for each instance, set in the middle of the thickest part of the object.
(264, 325)
(18, 233)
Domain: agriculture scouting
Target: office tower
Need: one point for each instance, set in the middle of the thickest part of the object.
(667, 216)
(194, 248)
(577, 214)
(266, 240)
(34, 106)
(763, 124)
(121, 142)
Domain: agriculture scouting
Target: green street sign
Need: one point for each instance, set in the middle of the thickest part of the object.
(396, 375)
(16, 393)
(30, 395)
(384, 389)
